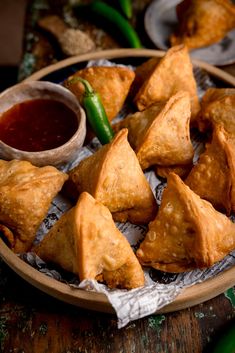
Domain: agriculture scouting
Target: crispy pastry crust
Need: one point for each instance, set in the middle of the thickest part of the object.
(187, 233)
(203, 22)
(26, 193)
(160, 134)
(218, 108)
(85, 241)
(172, 74)
(213, 177)
(114, 177)
(112, 83)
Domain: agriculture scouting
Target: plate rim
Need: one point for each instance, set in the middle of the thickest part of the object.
(190, 296)
(125, 53)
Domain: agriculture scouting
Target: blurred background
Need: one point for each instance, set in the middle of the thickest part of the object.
(12, 16)
(27, 46)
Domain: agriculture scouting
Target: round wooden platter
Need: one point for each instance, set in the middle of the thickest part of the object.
(96, 301)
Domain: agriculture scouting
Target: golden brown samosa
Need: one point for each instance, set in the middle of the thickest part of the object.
(111, 83)
(218, 108)
(172, 74)
(160, 134)
(187, 233)
(85, 241)
(203, 22)
(213, 177)
(142, 72)
(26, 193)
(114, 177)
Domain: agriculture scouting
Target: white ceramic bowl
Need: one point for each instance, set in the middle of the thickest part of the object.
(44, 90)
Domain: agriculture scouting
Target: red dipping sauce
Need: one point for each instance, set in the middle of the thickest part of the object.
(37, 125)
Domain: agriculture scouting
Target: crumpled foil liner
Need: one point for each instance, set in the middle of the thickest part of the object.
(160, 288)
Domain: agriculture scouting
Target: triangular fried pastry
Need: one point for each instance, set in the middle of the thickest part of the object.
(213, 177)
(217, 108)
(142, 72)
(85, 241)
(26, 193)
(172, 74)
(197, 17)
(187, 233)
(114, 177)
(160, 134)
(111, 83)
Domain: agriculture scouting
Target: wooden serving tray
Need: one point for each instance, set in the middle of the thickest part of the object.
(96, 301)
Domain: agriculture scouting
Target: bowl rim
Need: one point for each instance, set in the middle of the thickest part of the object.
(81, 118)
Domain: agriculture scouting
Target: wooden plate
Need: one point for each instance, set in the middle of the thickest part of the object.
(97, 301)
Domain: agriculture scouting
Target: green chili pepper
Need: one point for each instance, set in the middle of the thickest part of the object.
(107, 13)
(126, 6)
(95, 112)
(226, 343)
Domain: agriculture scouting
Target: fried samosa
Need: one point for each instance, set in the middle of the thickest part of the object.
(218, 108)
(111, 83)
(188, 233)
(142, 72)
(172, 74)
(213, 177)
(26, 193)
(114, 177)
(85, 241)
(160, 134)
(203, 22)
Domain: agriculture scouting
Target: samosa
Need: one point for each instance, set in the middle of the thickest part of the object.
(213, 177)
(197, 18)
(160, 134)
(142, 72)
(187, 233)
(114, 177)
(173, 73)
(26, 193)
(85, 241)
(112, 83)
(218, 108)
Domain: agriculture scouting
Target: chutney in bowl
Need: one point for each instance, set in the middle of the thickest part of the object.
(41, 122)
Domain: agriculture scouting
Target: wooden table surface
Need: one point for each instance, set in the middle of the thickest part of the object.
(33, 322)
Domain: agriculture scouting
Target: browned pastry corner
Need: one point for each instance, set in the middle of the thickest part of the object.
(85, 241)
(160, 134)
(213, 177)
(112, 83)
(173, 73)
(187, 233)
(26, 193)
(217, 108)
(114, 177)
(203, 22)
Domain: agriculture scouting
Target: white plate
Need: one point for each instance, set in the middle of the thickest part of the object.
(161, 20)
